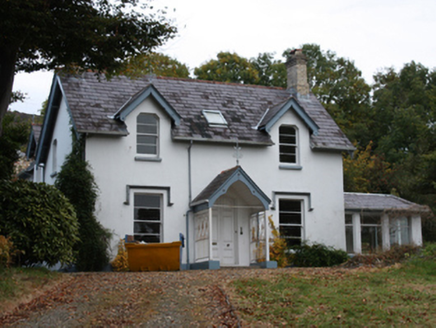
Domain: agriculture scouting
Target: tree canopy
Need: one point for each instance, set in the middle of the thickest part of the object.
(74, 35)
(156, 64)
(228, 67)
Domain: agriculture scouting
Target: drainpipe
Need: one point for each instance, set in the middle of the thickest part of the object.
(190, 209)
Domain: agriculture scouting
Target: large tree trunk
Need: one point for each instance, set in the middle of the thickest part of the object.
(7, 73)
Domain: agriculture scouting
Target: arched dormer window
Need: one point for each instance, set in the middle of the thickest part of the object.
(288, 144)
(147, 134)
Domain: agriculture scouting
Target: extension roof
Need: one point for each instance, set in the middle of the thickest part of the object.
(99, 106)
(377, 202)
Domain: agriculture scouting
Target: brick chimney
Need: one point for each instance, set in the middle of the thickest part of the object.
(297, 72)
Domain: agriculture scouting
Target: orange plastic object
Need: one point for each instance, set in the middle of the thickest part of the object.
(154, 257)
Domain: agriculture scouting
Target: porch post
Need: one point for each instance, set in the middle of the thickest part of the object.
(210, 233)
(266, 238)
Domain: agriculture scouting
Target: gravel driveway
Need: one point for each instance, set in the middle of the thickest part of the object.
(146, 299)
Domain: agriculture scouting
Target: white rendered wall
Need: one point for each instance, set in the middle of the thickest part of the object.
(114, 166)
(62, 134)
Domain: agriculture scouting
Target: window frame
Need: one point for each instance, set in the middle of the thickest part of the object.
(378, 232)
(156, 135)
(288, 164)
(214, 123)
(396, 227)
(301, 238)
(349, 244)
(160, 221)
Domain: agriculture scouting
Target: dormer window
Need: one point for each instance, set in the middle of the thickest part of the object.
(147, 134)
(288, 144)
(215, 118)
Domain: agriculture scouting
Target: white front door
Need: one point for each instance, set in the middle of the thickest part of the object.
(223, 235)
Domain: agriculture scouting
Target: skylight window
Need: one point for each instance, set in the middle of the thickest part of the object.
(214, 118)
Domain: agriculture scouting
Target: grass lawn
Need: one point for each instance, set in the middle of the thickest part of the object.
(21, 284)
(397, 296)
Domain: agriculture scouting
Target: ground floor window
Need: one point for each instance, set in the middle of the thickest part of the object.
(371, 233)
(399, 230)
(147, 223)
(290, 221)
(349, 233)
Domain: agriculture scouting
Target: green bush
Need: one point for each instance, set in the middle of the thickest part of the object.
(39, 220)
(316, 255)
(77, 183)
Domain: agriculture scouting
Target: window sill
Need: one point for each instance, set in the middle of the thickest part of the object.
(290, 167)
(53, 174)
(147, 159)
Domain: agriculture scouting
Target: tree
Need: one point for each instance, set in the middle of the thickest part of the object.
(228, 67)
(271, 72)
(157, 64)
(15, 134)
(74, 35)
(77, 183)
(340, 87)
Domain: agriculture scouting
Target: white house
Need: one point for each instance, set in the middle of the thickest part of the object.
(209, 160)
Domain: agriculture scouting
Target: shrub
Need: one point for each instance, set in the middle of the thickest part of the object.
(316, 255)
(121, 263)
(277, 251)
(76, 181)
(7, 252)
(397, 254)
(39, 220)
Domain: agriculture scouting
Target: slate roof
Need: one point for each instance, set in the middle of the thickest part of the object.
(224, 180)
(376, 202)
(212, 187)
(93, 101)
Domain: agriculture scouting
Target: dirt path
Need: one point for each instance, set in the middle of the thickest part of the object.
(147, 299)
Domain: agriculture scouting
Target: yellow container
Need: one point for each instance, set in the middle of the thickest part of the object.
(154, 257)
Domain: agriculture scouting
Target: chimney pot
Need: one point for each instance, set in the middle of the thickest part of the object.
(296, 67)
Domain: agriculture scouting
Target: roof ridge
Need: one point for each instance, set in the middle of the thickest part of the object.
(218, 82)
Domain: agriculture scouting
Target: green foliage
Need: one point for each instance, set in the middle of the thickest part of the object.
(38, 34)
(367, 172)
(157, 64)
(39, 220)
(340, 87)
(77, 183)
(15, 134)
(316, 255)
(228, 67)
(271, 72)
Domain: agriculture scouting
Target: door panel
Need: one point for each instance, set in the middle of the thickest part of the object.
(227, 233)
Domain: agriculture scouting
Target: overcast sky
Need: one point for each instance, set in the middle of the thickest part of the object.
(373, 33)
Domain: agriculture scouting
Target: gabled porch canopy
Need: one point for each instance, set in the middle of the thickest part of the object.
(222, 182)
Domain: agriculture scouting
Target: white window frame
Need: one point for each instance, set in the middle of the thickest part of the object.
(300, 225)
(214, 118)
(156, 135)
(379, 229)
(135, 207)
(349, 225)
(395, 231)
(289, 164)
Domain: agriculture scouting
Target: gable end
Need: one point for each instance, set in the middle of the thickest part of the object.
(137, 99)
